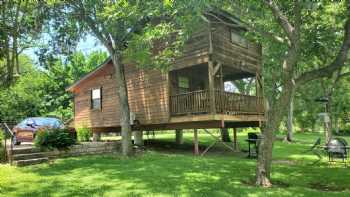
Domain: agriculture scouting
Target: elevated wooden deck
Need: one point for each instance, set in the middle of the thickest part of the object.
(198, 102)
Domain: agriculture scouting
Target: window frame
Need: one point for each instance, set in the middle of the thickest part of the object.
(92, 100)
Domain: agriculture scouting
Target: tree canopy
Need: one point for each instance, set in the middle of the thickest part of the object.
(42, 92)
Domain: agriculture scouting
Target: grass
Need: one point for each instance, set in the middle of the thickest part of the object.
(166, 170)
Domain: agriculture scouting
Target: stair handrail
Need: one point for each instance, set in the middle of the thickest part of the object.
(9, 131)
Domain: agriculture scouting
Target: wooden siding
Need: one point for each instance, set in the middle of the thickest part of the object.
(147, 91)
(148, 95)
(245, 58)
(196, 50)
(203, 47)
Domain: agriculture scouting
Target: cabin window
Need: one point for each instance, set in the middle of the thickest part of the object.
(238, 39)
(96, 98)
(184, 84)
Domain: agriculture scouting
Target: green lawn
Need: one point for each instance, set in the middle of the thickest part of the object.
(165, 171)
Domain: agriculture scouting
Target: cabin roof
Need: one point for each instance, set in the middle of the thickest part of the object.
(227, 17)
(90, 74)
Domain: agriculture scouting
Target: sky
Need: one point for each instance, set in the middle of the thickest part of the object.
(86, 46)
(89, 44)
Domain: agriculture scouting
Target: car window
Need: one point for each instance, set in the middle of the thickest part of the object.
(23, 123)
(49, 122)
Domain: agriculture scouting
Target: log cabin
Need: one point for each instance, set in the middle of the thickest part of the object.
(194, 93)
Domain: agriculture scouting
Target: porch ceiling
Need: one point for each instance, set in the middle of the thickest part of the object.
(231, 74)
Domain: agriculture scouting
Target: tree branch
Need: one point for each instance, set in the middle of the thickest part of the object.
(343, 75)
(93, 27)
(281, 18)
(338, 62)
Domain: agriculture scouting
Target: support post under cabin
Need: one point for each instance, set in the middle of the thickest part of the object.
(235, 143)
(179, 136)
(225, 136)
(195, 142)
(138, 138)
(96, 136)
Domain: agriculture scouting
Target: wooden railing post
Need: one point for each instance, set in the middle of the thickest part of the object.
(211, 76)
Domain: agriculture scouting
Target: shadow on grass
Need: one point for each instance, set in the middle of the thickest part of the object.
(171, 170)
(148, 174)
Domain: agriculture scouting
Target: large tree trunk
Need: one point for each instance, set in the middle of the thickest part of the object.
(329, 125)
(274, 116)
(263, 167)
(289, 83)
(9, 65)
(290, 126)
(123, 105)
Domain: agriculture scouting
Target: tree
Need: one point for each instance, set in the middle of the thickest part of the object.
(24, 98)
(125, 25)
(61, 74)
(21, 23)
(306, 110)
(329, 86)
(41, 91)
(290, 125)
(291, 82)
(290, 32)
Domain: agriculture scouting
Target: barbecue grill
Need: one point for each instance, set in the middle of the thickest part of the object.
(252, 141)
(337, 148)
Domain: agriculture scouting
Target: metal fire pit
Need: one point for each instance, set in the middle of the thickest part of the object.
(337, 148)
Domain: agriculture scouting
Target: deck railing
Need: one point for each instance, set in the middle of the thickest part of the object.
(198, 102)
(190, 103)
(233, 103)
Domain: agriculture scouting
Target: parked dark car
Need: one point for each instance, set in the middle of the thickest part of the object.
(25, 131)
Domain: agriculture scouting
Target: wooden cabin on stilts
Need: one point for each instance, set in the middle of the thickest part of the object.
(198, 92)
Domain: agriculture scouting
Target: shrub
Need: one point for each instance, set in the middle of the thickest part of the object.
(84, 134)
(343, 131)
(54, 138)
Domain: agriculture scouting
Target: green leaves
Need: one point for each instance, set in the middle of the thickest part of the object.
(132, 27)
(41, 92)
(21, 23)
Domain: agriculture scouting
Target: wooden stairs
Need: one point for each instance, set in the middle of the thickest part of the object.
(24, 156)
